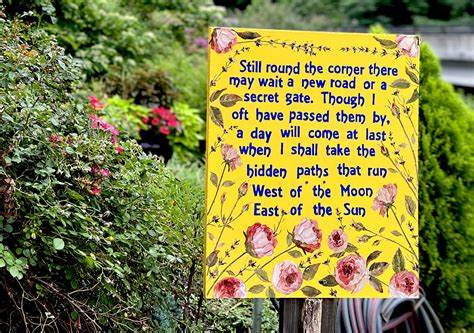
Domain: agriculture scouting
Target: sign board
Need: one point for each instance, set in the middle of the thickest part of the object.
(312, 165)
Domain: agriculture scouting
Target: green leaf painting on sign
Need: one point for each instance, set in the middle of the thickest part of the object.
(216, 116)
(310, 291)
(386, 43)
(398, 261)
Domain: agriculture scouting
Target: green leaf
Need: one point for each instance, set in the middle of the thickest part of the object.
(377, 268)
(310, 291)
(351, 248)
(215, 95)
(262, 275)
(89, 262)
(337, 255)
(216, 117)
(211, 260)
(214, 179)
(228, 100)
(58, 244)
(411, 75)
(270, 293)
(74, 315)
(295, 253)
(310, 271)
(289, 238)
(400, 84)
(410, 205)
(228, 183)
(414, 96)
(328, 281)
(376, 284)
(398, 261)
(2, 263)
(373, 256)
(257, 289)
(248, 34)
(386, 43)
(13, 270)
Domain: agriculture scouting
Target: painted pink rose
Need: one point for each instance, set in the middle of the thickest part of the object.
(307, 235)
(230, 287)
(287, 277)
(408, 45)
(338, 241)
(385, 198)
(351, 273)
(222, 40)
(260, 240)
(404, 284)
(230, 156)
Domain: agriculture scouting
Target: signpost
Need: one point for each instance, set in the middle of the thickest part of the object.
(312, 169)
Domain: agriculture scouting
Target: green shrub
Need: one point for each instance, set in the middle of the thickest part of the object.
(446, 196)
(90, 238)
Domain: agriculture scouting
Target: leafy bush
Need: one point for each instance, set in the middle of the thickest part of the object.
(129, 117)
(90, 237)
(446, 196)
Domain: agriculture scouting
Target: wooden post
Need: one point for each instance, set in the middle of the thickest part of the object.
(308, 316)
(290, 315)
(257, 315)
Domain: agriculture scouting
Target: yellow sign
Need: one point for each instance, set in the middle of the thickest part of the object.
(312, 165)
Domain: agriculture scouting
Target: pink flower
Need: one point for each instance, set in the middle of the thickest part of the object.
(408, 45)
(222, 40)
(172, 122)
(385, 198)
(145, 120)
(95, 103)
(165, 130)
(287, 277)
(230, 287)
(404, 284)
(94, 190)
(338, 241)
(155, 121)
(230, 156)
(260, 240)
(307, 235)
(105, 172)
(351, 273)
(243, 189)
(119, 150)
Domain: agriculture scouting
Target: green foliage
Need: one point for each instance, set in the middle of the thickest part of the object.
(186, 142)
(330, 14)
(280, 15)
(446, 196)
(104, 234)
(126, 116)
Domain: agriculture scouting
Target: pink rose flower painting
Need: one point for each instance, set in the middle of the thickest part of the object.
(404, 284)
(351, 273)
(385, 199)
(338, 241)
(230, 156)
(287, 277)
(222, 40)
(307, 235)
(408, 45)
(230, 287)
(260, 241)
